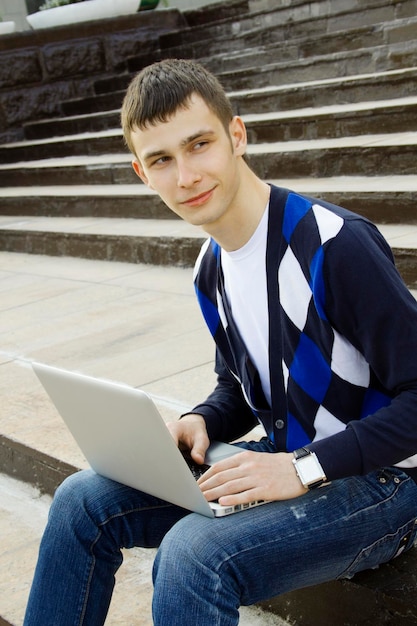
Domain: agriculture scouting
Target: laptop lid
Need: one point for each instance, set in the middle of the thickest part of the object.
(123, 437)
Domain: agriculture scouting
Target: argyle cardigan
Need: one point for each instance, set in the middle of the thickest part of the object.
(342, 342)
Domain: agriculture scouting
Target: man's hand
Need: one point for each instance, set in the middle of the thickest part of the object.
(190, 433)
(250, 476)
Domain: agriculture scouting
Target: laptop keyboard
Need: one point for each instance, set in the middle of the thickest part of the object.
(196, 469)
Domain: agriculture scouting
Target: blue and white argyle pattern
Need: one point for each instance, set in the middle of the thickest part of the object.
(327, 380)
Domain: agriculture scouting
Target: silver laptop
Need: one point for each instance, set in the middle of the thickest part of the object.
(123, 437)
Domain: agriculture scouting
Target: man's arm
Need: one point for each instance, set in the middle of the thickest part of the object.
(369, 305)
(225, 411)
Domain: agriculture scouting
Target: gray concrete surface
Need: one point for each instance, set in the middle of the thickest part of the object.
(136, 324)
(23, 514)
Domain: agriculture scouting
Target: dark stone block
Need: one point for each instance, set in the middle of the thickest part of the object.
(73, 58)
(121, 46)
(17, 68)
(39, 469)
(218, 11)
(21, 105)
(381, 597)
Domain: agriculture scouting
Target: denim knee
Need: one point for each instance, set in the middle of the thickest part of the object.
(73, 496)
(187, 541)
(193, 580)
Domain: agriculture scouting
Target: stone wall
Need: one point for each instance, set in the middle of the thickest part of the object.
(40, 69)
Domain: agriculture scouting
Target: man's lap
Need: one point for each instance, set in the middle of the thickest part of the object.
(331, 532)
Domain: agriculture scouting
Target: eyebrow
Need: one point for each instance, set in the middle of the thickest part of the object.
(184, 142)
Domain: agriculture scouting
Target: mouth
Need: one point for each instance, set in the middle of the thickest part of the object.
(202, 198)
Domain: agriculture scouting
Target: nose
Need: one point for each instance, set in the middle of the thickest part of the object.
(187, 176)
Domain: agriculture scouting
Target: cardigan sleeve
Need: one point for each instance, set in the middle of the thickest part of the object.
(225, 411)
(368, 303)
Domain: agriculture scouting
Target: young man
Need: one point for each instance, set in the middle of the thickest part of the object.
(316, 338)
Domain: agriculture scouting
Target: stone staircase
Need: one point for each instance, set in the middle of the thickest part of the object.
(328, 93)
(330, 107)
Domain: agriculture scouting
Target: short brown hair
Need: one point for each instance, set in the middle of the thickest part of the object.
(160, 89)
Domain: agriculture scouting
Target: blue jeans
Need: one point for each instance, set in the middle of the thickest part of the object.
(206, 568)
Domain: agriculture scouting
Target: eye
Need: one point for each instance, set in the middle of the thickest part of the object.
(160, 161)
(199, 145)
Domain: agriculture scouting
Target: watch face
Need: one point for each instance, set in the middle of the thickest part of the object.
(309, 470)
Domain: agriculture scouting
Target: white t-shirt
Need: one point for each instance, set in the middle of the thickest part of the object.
(244, 273)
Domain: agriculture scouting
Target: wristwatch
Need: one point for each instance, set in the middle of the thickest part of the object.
(308, 468)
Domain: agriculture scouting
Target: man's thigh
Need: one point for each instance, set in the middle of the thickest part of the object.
(332, 532)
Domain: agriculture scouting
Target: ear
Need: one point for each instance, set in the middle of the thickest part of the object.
(137, 167)
(238, 135)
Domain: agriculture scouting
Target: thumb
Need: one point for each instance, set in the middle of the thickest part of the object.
(199, 449)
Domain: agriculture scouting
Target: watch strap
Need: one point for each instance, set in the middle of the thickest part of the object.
(301, 452)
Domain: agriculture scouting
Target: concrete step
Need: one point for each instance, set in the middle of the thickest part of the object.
(287, 22)
(343, 89)
(150, 241)
(113, 320)
(387, 199)
(23, 515)
(331, 120)
(125, 322)
(388, 154)
(159, 242)
(378, 59)
(383, 199)
(108, 141)
(263, 70)
(125, 318)
(375, 86)
(267, 42)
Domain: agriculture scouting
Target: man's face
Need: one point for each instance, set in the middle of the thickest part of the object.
(192, 163)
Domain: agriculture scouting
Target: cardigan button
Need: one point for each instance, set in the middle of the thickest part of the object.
(279, 424)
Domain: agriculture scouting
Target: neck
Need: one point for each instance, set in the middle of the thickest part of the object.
(244, 216)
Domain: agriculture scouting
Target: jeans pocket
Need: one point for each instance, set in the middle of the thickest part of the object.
(383, 550)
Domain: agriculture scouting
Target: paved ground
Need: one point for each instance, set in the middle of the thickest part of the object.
(136, 324)
(23, 515)
(133, 323)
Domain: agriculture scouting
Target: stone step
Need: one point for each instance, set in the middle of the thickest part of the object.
(169, 242)
(270, 40)
(23, 516)
(334, 120)
(101, 318)
(343, 89)
(380, 58)
(389, 199)
(127, 315)
(376, 86)
(159, 242)
(386, 153)
(330, 120)
(287, 41)
(286, 22)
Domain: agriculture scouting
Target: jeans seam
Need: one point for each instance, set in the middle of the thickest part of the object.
(94, 543)
(89, 579)
(135, 510)
(388, 536)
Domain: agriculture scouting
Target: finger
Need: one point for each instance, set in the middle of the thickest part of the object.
(234, 492)
(226, 482)
(199, 448)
